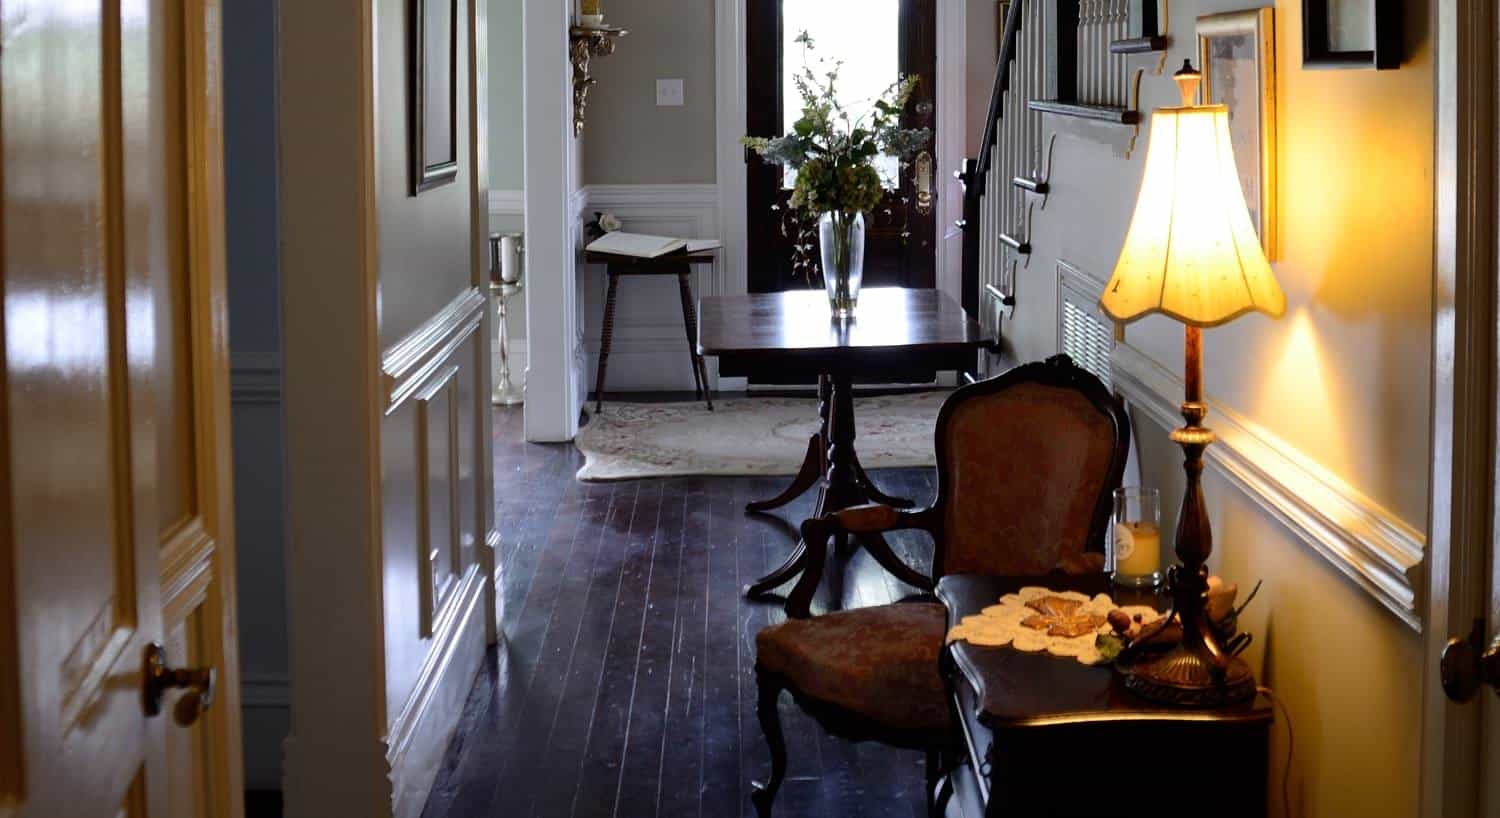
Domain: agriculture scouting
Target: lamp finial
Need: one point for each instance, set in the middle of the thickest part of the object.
(1187, 78)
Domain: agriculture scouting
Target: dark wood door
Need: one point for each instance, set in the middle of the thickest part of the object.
(900, 240)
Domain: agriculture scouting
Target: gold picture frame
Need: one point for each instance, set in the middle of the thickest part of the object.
(1237, 54)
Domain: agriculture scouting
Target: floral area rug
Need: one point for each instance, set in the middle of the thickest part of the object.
(749, 436)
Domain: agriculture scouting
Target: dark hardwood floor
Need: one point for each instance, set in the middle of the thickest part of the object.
(625, 685)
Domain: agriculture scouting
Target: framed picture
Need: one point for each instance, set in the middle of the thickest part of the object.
(1352, 33)
(432, 95)
(1237, 54)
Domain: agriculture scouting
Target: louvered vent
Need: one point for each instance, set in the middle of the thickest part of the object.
(1083, 332)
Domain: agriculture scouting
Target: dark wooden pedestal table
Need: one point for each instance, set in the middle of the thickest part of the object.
(676, 264)
(792, 332)
(1046, 736)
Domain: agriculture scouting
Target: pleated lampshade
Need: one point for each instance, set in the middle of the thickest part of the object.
(1191, 251)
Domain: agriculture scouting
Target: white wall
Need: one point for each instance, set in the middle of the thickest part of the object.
(1342, 380)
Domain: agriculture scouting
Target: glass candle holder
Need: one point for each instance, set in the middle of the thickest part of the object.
(1135, 537)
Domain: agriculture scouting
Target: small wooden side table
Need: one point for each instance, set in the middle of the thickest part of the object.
(680, 265)
(1047, 736)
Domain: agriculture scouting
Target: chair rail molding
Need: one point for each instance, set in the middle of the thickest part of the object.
(1367, 543)
(504, 203)
(406, 365)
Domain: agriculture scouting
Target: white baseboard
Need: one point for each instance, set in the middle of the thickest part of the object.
(420, 733)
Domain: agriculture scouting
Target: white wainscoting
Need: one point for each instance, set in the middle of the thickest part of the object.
(650, 348)
(1373, 547)
(420, 733)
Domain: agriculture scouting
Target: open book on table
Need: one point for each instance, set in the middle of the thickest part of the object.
(638, 245)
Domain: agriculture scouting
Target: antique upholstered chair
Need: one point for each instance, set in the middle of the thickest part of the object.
(1026, 465)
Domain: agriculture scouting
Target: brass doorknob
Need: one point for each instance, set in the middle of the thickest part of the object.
(1466, 665)
(159, 678)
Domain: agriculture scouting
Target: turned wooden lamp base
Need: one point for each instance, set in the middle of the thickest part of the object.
(1199, 671)
(1184, 678)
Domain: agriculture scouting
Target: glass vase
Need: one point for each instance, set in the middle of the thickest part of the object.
(842, 240)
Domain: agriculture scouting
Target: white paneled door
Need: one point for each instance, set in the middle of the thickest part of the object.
(117, 668)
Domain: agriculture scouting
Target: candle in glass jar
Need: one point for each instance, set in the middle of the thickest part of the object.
(1137, 548)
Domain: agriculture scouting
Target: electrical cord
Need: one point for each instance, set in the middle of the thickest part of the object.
(1291, 744)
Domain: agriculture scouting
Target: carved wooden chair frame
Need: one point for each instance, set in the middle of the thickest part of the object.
(876, 519)
(943, 748)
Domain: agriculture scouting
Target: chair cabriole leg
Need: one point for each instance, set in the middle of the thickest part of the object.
(769, 692)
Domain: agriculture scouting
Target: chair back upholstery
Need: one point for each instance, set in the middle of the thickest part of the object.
(1027, 465)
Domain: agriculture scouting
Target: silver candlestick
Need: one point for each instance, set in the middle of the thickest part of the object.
(506, 253)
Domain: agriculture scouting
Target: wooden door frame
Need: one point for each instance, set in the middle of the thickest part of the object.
(203, 574)
(1462, 480)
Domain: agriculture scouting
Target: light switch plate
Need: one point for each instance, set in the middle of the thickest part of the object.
(669, 93)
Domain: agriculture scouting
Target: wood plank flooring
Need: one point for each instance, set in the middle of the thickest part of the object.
(625, 685)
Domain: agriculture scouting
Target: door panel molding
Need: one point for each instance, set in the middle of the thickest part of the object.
(439, 564)
(187, 570)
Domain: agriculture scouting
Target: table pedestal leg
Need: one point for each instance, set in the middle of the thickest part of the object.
(844, 484)
(813, 464)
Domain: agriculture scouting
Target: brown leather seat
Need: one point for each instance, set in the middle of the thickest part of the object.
(881, 662)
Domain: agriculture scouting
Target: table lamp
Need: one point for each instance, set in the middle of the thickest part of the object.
(1191, 253)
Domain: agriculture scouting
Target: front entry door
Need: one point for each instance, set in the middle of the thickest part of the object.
(878, 41)
(114, 526)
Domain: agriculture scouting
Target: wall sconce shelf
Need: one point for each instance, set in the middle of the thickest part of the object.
(585, 43)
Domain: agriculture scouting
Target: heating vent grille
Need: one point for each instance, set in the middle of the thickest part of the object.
(1083, 333)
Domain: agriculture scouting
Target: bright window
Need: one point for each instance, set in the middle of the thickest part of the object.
(864, 35)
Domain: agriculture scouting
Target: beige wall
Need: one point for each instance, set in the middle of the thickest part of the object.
(630, 141)
(387, 416)
(1343, 378)
(507, 168)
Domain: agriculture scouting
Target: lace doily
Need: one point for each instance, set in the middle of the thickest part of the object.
(1040, 619)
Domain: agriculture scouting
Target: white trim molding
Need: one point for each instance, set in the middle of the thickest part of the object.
(411, 361)
(729, 126)
(1367, 543)
(419, 734)
(552, 229)
(951, 143)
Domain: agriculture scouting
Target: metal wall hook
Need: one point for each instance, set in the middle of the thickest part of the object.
(1021, 245)
(1040, 183)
